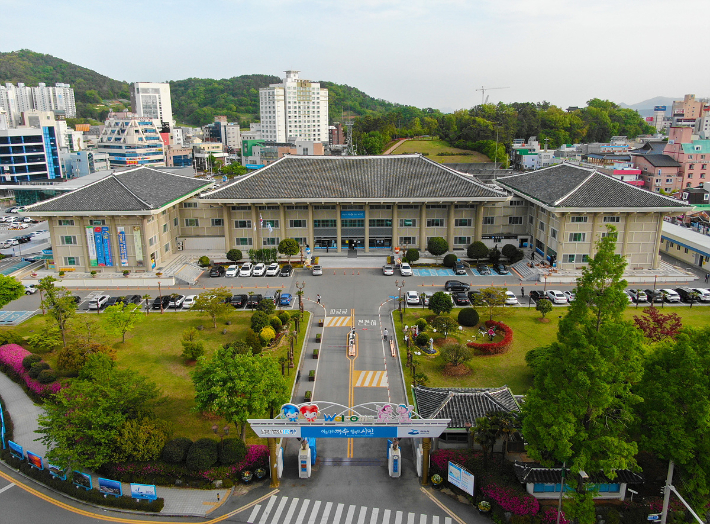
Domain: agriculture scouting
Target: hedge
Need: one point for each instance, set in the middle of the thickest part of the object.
(232, 451)
(495, 348)
(11, 358)
(175, 450)
(468, 317)
(203, 454)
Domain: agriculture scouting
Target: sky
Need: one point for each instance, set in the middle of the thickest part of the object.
(435, 53)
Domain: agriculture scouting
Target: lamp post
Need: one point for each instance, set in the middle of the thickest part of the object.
(222, 434)
(300, 286)
(160, 294)
(399, 285)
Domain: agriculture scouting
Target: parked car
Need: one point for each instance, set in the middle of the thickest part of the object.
(501, 269)
(628, 296)
(129, 299)
(98, 302)
(456, 285)
(259, 270)
(285, 299)
(538, 295)
(475, 297)
(232, 271)
(246, 270)
(287, 270)
(30, 289)
(556, 297)
(426, 296)
(112, 301)
(253, 301)
(271, 296)
(217, 271)
(189, 301)
(405, 270)
(412, 298)
(654, 295)
(483, 269)
(669, 295)
(176, 301)
(239, 301)
(510, 298)
(460, 269)
(317, 270)
(272, 270)
(570, 295)
(163, 301)
(76, 299)
(638, 295)
(388, 270)
(461, 299)
(704, 294)
(688, 295)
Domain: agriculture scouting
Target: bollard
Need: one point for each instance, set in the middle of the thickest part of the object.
(343, 272)
(353, 272)
(358, 273)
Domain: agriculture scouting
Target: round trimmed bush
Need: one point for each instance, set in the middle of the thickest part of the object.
(175, 450)
(259, 320)
(37, 368)
(284, 317)
(421, 324)
(46, 376)
(276, 324)
(450, 260)
(204, 261)
(232, 451)
(468, 317)
(202, 454)
(422, 339)
(29, 360)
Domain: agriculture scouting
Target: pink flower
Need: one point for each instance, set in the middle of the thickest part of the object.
(11, 355)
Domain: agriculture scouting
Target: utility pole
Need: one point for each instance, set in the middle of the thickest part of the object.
(667, 492)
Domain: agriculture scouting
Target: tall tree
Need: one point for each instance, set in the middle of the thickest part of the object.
(492, 299)
(121, 318)
(214, 303)
(289, 247)
(59, 304)
(10, 289)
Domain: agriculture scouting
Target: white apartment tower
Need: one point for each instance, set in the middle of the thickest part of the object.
(16, 100)
(294, 109)
(152, 100)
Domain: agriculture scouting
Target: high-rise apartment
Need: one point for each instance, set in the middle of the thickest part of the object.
(17, 99)
(152, 100)
(294, 109)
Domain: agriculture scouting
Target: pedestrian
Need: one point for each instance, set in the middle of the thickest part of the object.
(327, 249)
(318, 297)
(706, 277)
(386, 334)
(522, 290)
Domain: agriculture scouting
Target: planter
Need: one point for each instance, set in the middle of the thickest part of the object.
(312, 375)
(315, 354)
(437, 481)
(318, 335)
(246, 476)
(484, 507)
(320, 322)
(307, 396)
(259, 473)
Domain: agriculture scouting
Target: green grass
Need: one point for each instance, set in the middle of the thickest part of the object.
(433, 147)
(509, 368)
(154, 349)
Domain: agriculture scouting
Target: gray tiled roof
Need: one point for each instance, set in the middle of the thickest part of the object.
(532, 472)
(463, 405)
(650, 148)
(570, 186)
(661, 161)
(140, 189)
(354, 177)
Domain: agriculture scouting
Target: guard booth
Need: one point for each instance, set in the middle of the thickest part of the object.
(311, 421)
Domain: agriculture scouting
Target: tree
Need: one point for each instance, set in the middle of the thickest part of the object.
(657, 326)
(456, 354)
(289, 247)
(214, 303)
(10, 289)
(544, 307)
(238, 386)
(444, 324)
(477, 250)
(494, 255)
(493, 300)
(440, 302)
(484, 434)
(82, 427)
(192, 349)
(121, 318)
(146, 298)
(509, 250)
(234, 255)
(412, 255)
(437, 246)
(517, 256)
(59, 304)
(581, 406)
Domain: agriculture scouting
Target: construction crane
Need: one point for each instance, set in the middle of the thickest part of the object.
(483, 92)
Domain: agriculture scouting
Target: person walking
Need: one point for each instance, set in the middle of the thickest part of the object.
(522, 290)
(318, 297)
(386, 333)
(706, 277)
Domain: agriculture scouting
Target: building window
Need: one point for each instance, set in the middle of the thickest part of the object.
(68, 240)
(301, 240)
(489, 221)
(530, 219)
(242, 224)
(65, 222)
(217, 222)
(297, 208)
(435, 222)
(437, 206)
(541, 225)
(352, 207)
(612, 220)
(241, 208)
(165, 228)
(407, 206)
(463, 222)
(353, 222)
(325, 208)
(270, 241)
(268, 208)
(297, 223)
(243, 241)
(192, 222)
(553, 232)
(577, 237)
(464, 206)
(614, 235)
(575, 258)
(166, 247)
(407, 222)
(274, 223)
(515, 221)
(462, 241)
(380, 222)
(375, 207)
(539, 244)
(97, 222)
(327, 222)
(578, 219)
(176, 221)
(71, 261)
(153, 240)
(517, 202)
(189, 204)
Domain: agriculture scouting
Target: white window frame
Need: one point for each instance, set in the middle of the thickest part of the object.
(188, 224)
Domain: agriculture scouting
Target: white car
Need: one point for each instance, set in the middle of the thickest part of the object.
(556, 296)
(570, 296)
(246, 270)
(427, 296)
(259, 269)
(189, 301)
(510, 298)
(35, 234)
(704, 294)
(232, 271)
(98, 302)
(405, 270)
(273, 270)
(176, 303)
(317, 270)
(30, 289)
(387, 270)
(412, 298)
(670, 296)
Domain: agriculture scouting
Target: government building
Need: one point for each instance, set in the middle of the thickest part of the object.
(139, 218)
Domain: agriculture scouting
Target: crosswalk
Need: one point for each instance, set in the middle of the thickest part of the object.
(338, 322)
(371, 379)
(285, 510)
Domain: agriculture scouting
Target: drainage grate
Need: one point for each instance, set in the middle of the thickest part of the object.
(353, 462)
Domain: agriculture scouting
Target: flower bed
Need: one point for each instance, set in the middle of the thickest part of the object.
(495, 348)
(440, 459)
(510, 499)
(11, 356)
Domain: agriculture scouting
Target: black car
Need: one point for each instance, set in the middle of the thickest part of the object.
(654, 295)
(502, 270)
(287, 270)
(456, 285)
(253, 301)
(474, 297)
(538, 295)
(112, 301)
(483, 269)
(460, 299)
(239, 301)
(23, 239)
(130, 299)
(688, 295)
(460, 269)
(217, 271)
(76, 299)
(165, 302)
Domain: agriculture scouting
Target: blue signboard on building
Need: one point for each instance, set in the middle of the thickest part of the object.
(348, 432)
(108, 258)
(99, 246)
(352, 214)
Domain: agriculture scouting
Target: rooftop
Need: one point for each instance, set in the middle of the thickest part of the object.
(534, 473)
(661, 160)
(463, 405)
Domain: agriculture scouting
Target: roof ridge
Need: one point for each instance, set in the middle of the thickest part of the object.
(149, 206)
(442, 405)
(575, 189)
(63, 195)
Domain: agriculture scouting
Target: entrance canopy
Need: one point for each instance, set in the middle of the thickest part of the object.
(330, 420)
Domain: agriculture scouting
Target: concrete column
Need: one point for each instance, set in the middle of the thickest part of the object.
(274, 466)
(549, 232)
(339, 227)
(422, 227)
(593, 240)
(625, 240)
(113, 242)
(426, 447)
(479, 222)
(561, 241)
(84, 224)
(227, 219)
(657, 252)
(255, 226)
(311, 236)
(395, 226)
(450, 227)
(146, 246)
(282, 218)
(367, 228)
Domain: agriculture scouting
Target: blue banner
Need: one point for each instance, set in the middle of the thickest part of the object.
(108, 256)
(143, 491)
(352, 214)
(81, 480)
(122, 248)
(2, 428)
(348, 432)
(110, 487)
(99, 247)
(56, 471)
(35, 460)
(16, 450)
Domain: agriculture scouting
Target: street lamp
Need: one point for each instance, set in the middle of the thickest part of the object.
(399, 287)
(222, 434)
(300, 287)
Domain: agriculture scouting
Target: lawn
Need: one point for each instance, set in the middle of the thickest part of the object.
(432, 148)
(509, 368)
(154, 349)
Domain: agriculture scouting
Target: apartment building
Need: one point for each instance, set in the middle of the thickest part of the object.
(131, 140)
(152, 100)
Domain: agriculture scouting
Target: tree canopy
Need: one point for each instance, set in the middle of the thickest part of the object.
(214, 303)
(10, 289)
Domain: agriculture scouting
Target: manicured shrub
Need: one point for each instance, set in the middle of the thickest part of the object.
(285, 318)
(253, 341)
(422, 339)
(203, 454)
(231, 451)
(514, 500)
(29, 360)
(450, 260)
(267, 334)
(468, 317)
(495, 348)
(141, 440)
(412, 255)
(421, 324)
(259, 320)
(204, 261)
(192, 350)
(10, 337)
(46, 376)
(509, 250)
(37, 368)
(276, 324)
(175, 450)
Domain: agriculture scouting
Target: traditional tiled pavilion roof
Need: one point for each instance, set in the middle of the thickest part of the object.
(463, 405)
(661, 161)
(534, 473)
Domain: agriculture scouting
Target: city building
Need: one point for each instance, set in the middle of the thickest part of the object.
(685, 244)
(658, 172)
(29, 154)
(178, 157)
(336, 136)
(82, 163)
(15, 100)
(258, 153)
(228, 133)
(689, 107)
(294, 109)
(131, 140)
(152, 100)
(202, 151)
(695, 196)
(692, 155)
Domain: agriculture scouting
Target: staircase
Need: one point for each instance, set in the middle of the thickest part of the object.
(189, 273)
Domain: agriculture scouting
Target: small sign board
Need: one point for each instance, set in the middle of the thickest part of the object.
(110, 487)
(461, 478)
(34, 460)
(654, 516)
(16, 450)
(143, 491)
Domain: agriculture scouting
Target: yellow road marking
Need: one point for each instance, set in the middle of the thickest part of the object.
(338, 322)
(441, 505)
(107, 518)
(351, 385)
(371, 379)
